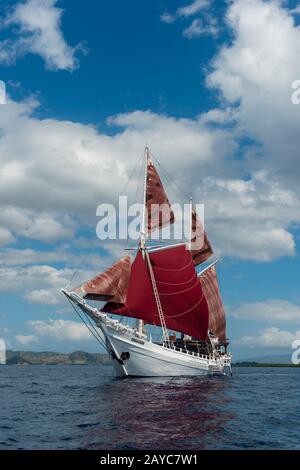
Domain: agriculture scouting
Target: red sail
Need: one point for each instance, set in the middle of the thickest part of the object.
(210, 286)
(183, 302)
(111, 284)
(155, 197)
(201, 248)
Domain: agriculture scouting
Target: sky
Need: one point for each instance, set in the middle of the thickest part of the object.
(208, 86)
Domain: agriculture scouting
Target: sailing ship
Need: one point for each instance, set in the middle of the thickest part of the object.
(166, 286)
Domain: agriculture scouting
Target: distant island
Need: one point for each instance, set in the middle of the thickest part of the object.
(281, 360)
(261, 364)
(54, 358)
(85, 358)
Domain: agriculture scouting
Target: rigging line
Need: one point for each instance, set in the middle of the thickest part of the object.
(176, 283)
(96, 336)
(138, 187)
(180, 292)
(95, 333)
(186, 311)
(75, 271)
(170, 269)
(123, 190)
(129, 179)
(95, 330)
(170, 176)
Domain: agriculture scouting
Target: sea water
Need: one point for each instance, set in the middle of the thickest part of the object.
(85, 407)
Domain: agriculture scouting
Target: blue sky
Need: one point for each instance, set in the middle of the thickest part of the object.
(208, 85)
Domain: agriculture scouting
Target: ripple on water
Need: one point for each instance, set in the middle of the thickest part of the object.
(86, 408)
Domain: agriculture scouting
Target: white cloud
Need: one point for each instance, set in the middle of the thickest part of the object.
(250, 219)
(60, 330)
(193, 8)
(18, 257)
(32, 150)
(40, 284)
(268, 311)
(252, 196)
(6, 237)
(207, 25)
(270, 338)
(254, 73)
(30, 223)
(41, 296)
(36, 25)
(199, 27)
(47, 230)
(167, 18)
(26, 340)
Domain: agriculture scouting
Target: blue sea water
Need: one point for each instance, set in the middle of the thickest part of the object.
(85, 407)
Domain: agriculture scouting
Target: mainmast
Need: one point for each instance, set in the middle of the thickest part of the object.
(191, 223)
(140, 323)
(143, 228)
(158, 303)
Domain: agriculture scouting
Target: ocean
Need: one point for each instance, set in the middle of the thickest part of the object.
(85, 407)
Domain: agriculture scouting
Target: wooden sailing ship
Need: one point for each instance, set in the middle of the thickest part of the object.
(165, 286)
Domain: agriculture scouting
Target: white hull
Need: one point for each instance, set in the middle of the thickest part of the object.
(147, 359)
(153, 360)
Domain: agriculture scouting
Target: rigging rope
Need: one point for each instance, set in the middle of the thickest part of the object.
(173, 270)
(170, 177)
(187, 311)
(95, 332)
(180, 292)
(130, 178)
(176, 283)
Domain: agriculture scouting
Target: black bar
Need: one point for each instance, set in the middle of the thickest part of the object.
(137, 459)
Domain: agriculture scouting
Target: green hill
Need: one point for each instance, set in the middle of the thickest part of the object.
(54, 358)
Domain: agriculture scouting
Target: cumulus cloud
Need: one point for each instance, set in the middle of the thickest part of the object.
(26, 340)
(32, 150)
(270, 338)
(36, 26)
(268, 311)
(251, 197)
(39, 284)
(200, 27)
(34, 223)
(60, 330)
(193, 8)
(186, 11)
(41, 296)
(6, 237)
(19, 257)
(250, 218)
(254, 73)
(207, 25)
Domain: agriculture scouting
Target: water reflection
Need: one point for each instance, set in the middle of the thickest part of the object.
(160, 413)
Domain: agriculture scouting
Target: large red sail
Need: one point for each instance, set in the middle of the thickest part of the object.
(158, 207)
(111, 284)
(183, 302)
(201, 248)
(210, 286)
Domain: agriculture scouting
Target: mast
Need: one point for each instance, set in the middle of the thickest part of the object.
(157, 300)
(191, 223)
(140, 323)
(143, 231)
